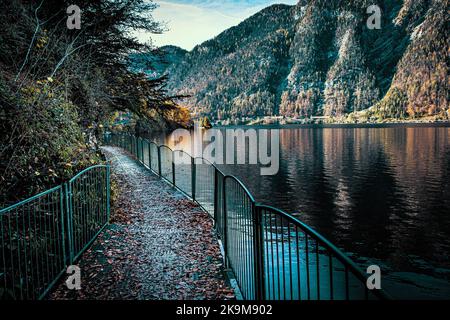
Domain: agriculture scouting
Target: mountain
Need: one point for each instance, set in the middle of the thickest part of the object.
(240, 70)
(156, 63)
(320, 58)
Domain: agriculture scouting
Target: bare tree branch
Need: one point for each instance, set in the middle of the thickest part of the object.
(38, 25)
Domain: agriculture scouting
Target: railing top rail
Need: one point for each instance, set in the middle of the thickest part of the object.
(212, 164)
(182, 151)
(327, 244)
(87, 169)
(150, 142)
(175, 150)
(20, 203)
(337, 253)
(231, 177)
(164, 146)
(206, 160)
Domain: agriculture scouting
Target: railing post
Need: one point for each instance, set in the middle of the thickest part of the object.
(216, 194)
(141, 150)
(173, 168)
(64, 236)
(193, 173)
(137, 149)
(150, 155)
(108, 191)
(68, 196)
(159, 160)
(258, 248)
(224, 214)
(141, 155)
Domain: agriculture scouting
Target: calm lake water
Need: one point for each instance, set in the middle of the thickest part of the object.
(381, 194)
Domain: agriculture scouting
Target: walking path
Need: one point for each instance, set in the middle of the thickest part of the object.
(159, 246)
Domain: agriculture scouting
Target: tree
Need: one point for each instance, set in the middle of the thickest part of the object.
(205, 123)
(59, 86)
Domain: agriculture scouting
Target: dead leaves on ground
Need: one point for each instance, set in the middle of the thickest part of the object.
(160, 245)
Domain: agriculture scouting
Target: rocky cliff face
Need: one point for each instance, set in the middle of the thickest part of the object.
(422, 73)
(320, 58)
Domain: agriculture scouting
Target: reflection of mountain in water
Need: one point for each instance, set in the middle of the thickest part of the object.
(381, 193)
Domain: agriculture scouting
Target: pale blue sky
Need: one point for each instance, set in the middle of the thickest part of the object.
(193, 21)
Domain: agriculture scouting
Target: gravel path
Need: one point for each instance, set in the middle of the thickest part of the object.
(159, 246)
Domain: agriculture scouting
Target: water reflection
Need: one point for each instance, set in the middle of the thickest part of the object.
(381, 194)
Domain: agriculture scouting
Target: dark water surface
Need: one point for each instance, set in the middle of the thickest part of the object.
(381, 194)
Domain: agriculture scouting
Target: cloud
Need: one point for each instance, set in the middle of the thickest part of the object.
(191, 22)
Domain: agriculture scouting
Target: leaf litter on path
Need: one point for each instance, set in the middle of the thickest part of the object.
(159, 245)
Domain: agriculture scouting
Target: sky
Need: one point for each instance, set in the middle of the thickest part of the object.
(191, 22)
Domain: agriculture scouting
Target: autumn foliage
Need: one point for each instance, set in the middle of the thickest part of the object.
(59, 87)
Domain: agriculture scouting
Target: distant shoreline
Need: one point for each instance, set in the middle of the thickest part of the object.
(442, 124)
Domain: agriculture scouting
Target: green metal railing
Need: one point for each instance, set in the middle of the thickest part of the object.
(88, 207)
(41, 235)
(273, 255)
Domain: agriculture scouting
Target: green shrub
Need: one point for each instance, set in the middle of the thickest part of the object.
(42, 141)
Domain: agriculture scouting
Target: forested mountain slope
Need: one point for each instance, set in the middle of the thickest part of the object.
(320, 58)
(156, 63)
(239, 71)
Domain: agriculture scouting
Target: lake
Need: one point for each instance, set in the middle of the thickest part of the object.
(381, 194)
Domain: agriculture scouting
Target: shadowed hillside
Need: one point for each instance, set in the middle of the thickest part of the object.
(320, 58)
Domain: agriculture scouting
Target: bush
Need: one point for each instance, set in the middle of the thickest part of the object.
(42, 142)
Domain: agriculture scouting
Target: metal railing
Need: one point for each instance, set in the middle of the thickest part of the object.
(273, 255)
(41, 235)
